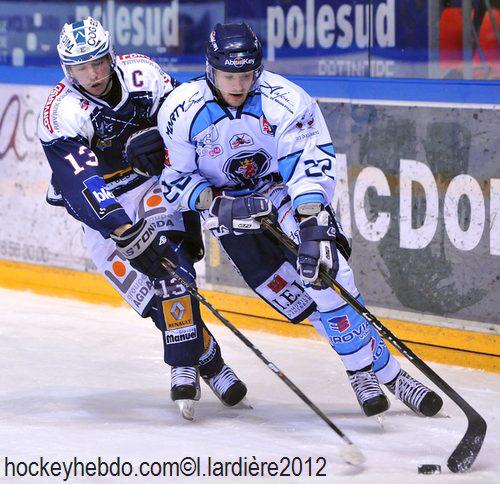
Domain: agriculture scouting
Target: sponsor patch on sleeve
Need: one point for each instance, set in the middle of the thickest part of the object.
(102, 201)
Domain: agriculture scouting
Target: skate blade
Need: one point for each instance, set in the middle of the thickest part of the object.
(245, 403)
(380, 420)
(187, 408)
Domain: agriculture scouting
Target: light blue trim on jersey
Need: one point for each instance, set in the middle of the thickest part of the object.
(309, 198)
(328, 149)
(287, 164)
(209, 114)
(253, 106)
(196, 193)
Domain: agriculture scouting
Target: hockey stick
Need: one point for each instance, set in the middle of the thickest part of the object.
(468, 448)
(350, 453)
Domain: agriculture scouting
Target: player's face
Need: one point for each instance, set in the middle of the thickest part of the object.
(234, 86)
(94, 76)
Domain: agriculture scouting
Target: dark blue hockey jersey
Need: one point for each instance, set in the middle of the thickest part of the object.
(84, 140)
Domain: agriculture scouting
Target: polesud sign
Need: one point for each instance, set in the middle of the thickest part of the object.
(330, 29)
(144, 25)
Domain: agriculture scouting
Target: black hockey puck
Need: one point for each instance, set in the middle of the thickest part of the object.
(429, 469)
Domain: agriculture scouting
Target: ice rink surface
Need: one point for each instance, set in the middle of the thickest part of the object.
(81, 381)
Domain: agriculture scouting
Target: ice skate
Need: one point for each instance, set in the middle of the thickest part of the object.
(415, 395)
(368, 392)
(185, 389)
(227, 386)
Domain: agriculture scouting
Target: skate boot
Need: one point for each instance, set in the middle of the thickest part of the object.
(423, 401)
(368, 392)
(227, 386)
(185, 389)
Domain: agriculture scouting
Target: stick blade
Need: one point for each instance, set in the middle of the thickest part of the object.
(352, 455)
(468, 448)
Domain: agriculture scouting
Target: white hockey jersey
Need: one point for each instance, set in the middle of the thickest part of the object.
(279, 133)
(84, 140)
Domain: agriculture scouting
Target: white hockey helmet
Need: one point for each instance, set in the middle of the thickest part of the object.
(82, 42)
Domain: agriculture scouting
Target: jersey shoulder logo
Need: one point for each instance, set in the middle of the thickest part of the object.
(266, 127)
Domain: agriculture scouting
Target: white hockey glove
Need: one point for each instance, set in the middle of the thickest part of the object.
(239, 215)
(317, 247)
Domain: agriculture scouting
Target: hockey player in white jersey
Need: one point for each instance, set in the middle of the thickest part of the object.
(244, 143)
(98, 131)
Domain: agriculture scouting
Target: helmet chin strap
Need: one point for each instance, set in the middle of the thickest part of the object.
(109, 86)
(217, 94)
(107, 89)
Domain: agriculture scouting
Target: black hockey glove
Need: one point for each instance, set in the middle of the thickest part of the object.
(239, 215)
(145, 152)
(317, 247)
(146, 248)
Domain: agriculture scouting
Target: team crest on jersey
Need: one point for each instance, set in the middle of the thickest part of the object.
(248, 168)
(245, 167)
(104, 125)
(239, 140)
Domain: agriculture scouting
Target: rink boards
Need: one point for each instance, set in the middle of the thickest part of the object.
(418, 190)
(433, 343)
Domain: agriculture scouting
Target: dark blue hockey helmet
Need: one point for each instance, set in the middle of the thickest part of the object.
(233, 48)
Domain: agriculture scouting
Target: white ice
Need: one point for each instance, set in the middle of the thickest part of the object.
(83, 380)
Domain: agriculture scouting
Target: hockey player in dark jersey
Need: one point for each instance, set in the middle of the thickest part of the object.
(98, 131)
